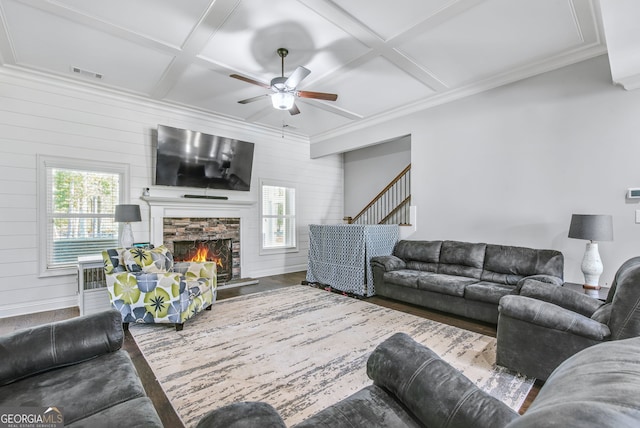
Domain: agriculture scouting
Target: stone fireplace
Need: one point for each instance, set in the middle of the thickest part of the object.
(205, 239)
(191, 221)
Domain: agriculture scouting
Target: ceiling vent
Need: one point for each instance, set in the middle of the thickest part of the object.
(86, 73)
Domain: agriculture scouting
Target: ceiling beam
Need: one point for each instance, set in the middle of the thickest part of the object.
(620, 21)
(209, 24)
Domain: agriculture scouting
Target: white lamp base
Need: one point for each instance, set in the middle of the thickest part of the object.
(126, 238)
(591, 268)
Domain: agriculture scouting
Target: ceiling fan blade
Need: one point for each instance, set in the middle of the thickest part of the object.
(250, 100)
(317, 95)
(297, 76)
(294, 110)
(248, 80)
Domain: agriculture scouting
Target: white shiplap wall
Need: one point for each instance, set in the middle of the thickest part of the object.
(51, 117)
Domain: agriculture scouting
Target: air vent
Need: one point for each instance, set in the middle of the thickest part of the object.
(86, 73)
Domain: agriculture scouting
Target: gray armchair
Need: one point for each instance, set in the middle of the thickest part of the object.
(546, 324)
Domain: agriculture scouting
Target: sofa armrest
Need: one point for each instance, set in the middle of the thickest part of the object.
(560, 296)
(549, 279)
(388, 263)
(45, 347)
(436, 393)
(548, 315)
(242, 415)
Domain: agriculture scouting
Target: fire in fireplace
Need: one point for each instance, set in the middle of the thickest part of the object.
(214, 250)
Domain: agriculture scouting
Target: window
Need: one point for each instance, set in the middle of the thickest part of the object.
(278, 202)
(76, 205)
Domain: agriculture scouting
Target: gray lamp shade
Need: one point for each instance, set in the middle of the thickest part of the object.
(128, 213)
(594, 227)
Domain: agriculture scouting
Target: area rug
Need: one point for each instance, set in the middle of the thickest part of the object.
(300, 349)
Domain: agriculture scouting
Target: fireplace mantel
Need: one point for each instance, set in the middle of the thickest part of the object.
(180, 202)
(161, 207)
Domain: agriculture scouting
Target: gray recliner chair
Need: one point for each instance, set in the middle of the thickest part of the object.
(546, 324)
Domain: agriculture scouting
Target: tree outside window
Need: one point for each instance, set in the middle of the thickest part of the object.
(278, 217)
(78, 215)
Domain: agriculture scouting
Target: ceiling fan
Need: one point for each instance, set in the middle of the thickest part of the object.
(284, 89)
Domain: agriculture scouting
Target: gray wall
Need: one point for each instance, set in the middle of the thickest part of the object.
(512, 164)
(368, 170)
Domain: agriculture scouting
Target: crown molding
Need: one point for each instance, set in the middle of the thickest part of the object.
(225, 123)
(529, 70)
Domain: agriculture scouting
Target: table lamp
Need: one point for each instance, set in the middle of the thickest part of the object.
(593, 227)
(126, 214)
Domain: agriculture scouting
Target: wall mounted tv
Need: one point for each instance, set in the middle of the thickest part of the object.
(193, 159)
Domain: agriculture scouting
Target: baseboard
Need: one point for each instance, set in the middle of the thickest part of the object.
(40, 306)
(279, 271)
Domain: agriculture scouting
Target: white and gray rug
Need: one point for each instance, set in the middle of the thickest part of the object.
(300, 349)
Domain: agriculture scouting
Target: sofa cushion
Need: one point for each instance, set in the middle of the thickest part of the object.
(419, 255)
(422, 266)
(136, 413)
(80, 389)
(507, 264)
(462, 259)
(444, 284)
(403, 277)
(485, 291)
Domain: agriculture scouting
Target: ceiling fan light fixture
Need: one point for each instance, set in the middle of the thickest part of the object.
(282, 100)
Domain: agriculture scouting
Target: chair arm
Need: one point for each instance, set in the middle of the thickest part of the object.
(194, 270)
(198, 274)
(548, 315)
(549, 279)
(564, 297)
(388, 263)
(45, 347)
(437, 394)
(242, 415)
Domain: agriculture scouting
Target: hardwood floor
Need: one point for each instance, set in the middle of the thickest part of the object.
(153, 388)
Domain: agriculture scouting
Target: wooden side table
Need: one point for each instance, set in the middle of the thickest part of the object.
(602, 293)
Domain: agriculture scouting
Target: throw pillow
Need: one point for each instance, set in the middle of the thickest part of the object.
(147, 260)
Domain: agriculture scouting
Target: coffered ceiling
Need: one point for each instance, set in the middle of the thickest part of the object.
(382, 58)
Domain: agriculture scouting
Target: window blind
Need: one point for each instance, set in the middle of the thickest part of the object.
(80, 209)
(278, 217)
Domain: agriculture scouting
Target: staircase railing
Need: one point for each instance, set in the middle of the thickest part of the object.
(391, 205)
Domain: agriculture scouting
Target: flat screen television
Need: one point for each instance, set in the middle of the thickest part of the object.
(194, 159)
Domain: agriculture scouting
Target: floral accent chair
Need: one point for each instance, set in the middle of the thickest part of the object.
(147, 287)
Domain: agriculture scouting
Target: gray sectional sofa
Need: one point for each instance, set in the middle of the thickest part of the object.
(462, 278)
(77, 366)
(413, 387)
